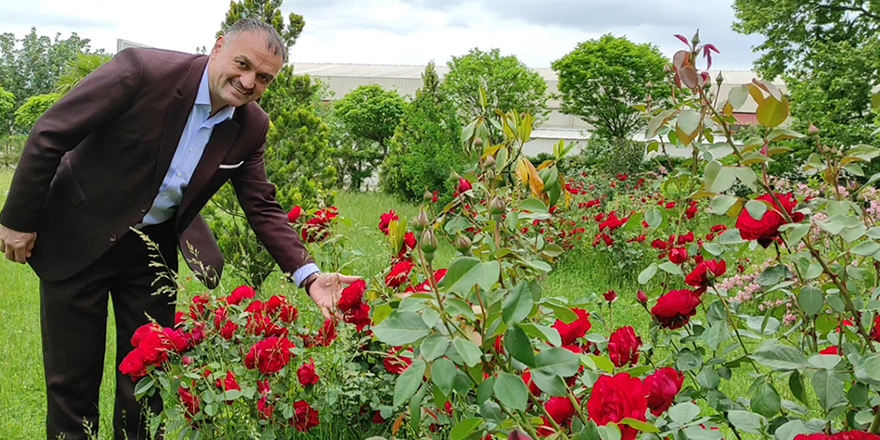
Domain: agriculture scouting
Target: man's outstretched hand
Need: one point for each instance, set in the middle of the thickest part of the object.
(17, 246)
(326, 290)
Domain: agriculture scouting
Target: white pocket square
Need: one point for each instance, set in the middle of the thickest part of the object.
(224, 166)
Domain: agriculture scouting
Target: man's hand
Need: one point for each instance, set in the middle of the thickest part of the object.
(16, 245)
(326, 290)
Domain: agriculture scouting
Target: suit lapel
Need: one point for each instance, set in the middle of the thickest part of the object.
(222, 138)
(175, 121)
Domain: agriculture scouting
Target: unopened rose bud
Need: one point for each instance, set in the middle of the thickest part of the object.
(489, 162)
(462, 244)
(497, 206)
(429, 241)
(719, 79)
(427, 196)
(421, 221)
(666, 68)
(478, 142)
(641, 297)
(610, 295)
(463, 185)
(813, 129)
(649, 85)
(696, 39)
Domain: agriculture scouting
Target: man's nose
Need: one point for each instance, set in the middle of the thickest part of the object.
(247, 80)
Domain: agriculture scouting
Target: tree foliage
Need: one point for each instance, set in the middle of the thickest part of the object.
(368, 115)
(426, 145)
(268, 11)
(794, 29)
(32, 109)
(600, 80)
(509, 84)
(78, 68)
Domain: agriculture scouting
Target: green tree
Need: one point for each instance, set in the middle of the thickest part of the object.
(601, 79)
(7, 111)
(426, 146)
(794, 29)
(268, 11)
(32, 65)
(508, 83)
(368, 115)
(297, 161)
(78, 68)
(32, 109)
(10, 145)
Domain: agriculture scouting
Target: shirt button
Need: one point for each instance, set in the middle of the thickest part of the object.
(113, 237)
(178, 174)
(144, 208)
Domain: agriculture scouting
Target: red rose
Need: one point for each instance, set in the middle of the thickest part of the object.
(674, 308)
(409, 243)
(816, 436)
(678, 255)
(352, 296)
(326, 335)
(575, 329)
(263, 387)
(854, 435)
(705, 272)
(377, 417)
(766, 229)
(641, 297)
(294, 213)
(463, 185)
(190, 401)
(264, 408)
(623, 346)
(306, 373)
(560, 409)
(304, 416)
(690, 212)
(228, 383)
(875, 330)
(274, 303)
(385, 219)
(133, 365)
(830, 350)
(269, 355)
(240, 294)
(398, 274)
(610, 295)
(228, 330)
(527, 378)
(396, 364)
(143, 331)
(617, 397)
(359, 316)
(179, 318)
(661, 388)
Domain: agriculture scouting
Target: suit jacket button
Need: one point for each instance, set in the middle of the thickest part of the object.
(144, 208)
(113, 237)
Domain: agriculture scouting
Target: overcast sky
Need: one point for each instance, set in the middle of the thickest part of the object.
(399, 31)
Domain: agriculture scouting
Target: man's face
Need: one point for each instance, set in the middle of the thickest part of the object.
(240, 69)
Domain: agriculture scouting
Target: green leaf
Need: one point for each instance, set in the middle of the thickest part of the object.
(723, 181)
(756, 209)
(811, 300)
(772, 111)
(688, 360)
(409, 382)
(829, 388)
(780, 357)
(747, 176)
(468, 351)
(511, 391)
(545, 333)
(401, 328)
(534, 205)
(747, 421)
(865, 248)
(765, 400)
(708, 378)
(653, 217)
(143, 387)
(797, 386)
(780, 134)
(789, 430)
(443, 375)
(551, 384)
(558, 361)
(773, 275)
(716, 334)
(519, 346)
(638, 425)
(795, 235)
(670, 267)
(721, 204)
(738, 96)
(687, 126)
(517, 305)
(647, 273)
(684, 412)
(458, 269)
(826, 361)
(484, 275)
(464, 428)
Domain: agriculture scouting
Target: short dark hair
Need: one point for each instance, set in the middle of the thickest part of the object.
(273, 39)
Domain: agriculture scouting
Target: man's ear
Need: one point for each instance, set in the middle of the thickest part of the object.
(218, 45)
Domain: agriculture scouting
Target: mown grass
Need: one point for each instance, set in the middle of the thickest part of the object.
(580, 273)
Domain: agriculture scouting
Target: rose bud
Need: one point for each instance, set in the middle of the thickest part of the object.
(641, 297)
(463, 244)
(427, 196)
(489, 162)
(478, 142)
(463, 185)
(429, 241)
(610, 295)
(421, 221)
(497, 206)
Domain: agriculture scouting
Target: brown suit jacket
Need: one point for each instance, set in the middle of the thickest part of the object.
(93, 164)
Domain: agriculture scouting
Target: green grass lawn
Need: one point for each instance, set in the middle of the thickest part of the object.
(582, 272)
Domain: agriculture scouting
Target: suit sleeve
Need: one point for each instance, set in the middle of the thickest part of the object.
(97, 100)
(268, 220)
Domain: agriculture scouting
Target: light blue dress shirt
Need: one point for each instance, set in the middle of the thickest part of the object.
(190, 148)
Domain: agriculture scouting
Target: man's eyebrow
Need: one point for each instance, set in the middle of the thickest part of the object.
(247, 61)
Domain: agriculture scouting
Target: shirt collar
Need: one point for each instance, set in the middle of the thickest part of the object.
(203, 97)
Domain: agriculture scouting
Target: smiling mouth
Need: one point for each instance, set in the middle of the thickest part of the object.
(239, 90)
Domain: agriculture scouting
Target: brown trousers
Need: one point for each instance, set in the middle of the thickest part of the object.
(73, 317)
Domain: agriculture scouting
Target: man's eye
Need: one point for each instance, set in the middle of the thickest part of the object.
(242, 64)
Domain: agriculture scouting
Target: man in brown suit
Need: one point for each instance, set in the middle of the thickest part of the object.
(143, 142)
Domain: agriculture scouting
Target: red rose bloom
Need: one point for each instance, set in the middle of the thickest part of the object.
(377, 417)
(240, 294)
(463, 185)
(269, 355)
(190, 402)
(875, 330)
(359, 316)
(816, 436)
(228, 330)
(830, 350)
(674, 308)
(560, 409)
(304, 416)
(306, 373)
(854, 435)
(396, 364)
(385, 219)
(409, 243)
(294, 213)
(133, 365)
(265, 409)
(766, 229)
(143, 331)
(678, 255)
(623, 346)
(352, 296)
(288, 314)
(575, 329)
(615, 398)
(661, 388)
(705, 272)
(228, 383)
(527, 378)
(326, 335)
(610, 295)
(398, 274)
